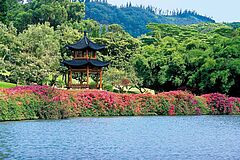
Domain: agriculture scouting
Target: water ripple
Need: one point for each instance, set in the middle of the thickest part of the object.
(204, 137)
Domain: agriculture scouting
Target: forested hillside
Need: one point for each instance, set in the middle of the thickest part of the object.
(135, 18)
(201, 57)
(234, 24)
(132, 18)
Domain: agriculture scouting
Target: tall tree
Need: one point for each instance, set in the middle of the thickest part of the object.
(39, 57)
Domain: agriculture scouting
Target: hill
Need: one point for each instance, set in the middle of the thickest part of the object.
(135, 18)
(235, 25)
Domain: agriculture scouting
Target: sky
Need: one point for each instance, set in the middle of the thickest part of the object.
(219, 10)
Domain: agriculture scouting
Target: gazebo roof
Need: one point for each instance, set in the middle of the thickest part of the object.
(85, 43)
(85, 62)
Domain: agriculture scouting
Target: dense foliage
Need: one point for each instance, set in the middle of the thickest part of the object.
(40, 11)
(42, 102)
(135, 18)
(235, 25)
(202, 58)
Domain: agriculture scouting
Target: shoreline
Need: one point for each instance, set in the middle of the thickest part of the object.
(114, 117)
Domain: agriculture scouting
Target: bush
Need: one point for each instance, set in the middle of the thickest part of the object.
(108, 87)
(92, 85)
(221, 104)
(43, 102)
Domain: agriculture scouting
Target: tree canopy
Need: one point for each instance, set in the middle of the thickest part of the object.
(201, 58)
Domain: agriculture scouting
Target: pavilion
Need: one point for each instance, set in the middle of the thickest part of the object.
(84, 64)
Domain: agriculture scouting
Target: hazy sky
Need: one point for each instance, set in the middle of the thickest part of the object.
(219, 10)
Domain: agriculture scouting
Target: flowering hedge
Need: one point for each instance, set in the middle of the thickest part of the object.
(43, 102)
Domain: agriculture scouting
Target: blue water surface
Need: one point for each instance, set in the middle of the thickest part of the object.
(191, 137)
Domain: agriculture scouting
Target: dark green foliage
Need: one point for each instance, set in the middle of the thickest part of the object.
(202, 58)
(7, 9)
(235, 25)
(120, 47)
(41, 11)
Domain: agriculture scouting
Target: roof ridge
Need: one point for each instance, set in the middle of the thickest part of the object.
(85, 43)
(86, 40)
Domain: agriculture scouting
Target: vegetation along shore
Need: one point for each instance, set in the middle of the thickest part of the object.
(43, 102)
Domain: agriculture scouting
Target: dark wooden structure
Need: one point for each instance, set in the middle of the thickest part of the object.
(84, 64)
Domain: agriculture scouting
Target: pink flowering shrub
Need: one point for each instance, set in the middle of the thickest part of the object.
(43, 102)
(183, 103)
(222, 104)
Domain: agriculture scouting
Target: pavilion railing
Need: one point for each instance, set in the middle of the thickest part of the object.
(82, 86)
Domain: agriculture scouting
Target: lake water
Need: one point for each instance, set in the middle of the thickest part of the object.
(200, 137)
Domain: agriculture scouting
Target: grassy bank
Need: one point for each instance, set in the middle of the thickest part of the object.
(43, 102)
(7, 85)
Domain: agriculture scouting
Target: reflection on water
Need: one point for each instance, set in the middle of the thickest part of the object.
(204, 137)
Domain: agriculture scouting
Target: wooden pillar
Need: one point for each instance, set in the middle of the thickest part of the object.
(69, 77)
(87, 75)
(87, 54)
(95, 55)
(75, 54)
(82, 54)
(97, 78)
(65, 78)
(68, 84)
(100, 78)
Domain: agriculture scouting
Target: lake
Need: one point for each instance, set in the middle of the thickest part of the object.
(190, 137)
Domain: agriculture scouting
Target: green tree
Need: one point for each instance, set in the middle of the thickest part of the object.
(9, 47)
(54, 12)
(8, 10)
(76, 11)
(40, 55)
(121, 47)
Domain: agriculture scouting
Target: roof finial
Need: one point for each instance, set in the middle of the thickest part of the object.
(85, 33)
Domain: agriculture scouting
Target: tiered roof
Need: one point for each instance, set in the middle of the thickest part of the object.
(85, 62)
(84, 44)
